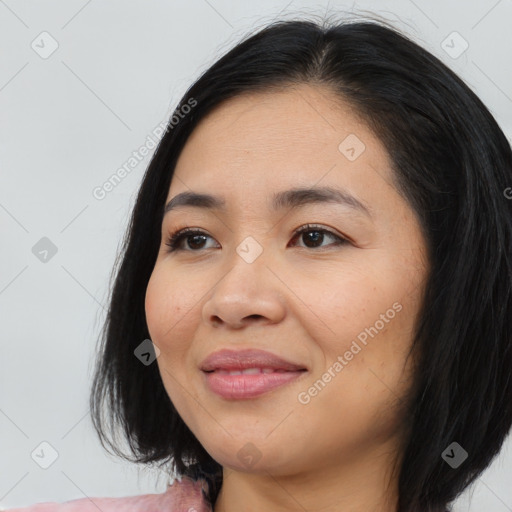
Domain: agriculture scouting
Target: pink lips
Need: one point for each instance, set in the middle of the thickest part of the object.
(254, 372)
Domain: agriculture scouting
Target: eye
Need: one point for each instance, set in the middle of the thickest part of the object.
(195, 238)
(174, 242)
(319, 235)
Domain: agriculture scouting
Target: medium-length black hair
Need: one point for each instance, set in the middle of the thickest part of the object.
(450, 161)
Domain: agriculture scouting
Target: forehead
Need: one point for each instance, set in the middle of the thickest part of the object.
(299, 136)
(295, 117)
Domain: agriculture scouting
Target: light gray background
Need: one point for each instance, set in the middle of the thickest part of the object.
(68, 122)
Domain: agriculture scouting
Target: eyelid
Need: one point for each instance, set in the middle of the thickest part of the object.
(180, 234)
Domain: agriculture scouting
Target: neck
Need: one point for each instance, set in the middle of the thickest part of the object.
(362, 486)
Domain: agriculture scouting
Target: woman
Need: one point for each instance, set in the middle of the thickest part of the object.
(312, 310)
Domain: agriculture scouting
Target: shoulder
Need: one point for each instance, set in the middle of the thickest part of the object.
(183, 495)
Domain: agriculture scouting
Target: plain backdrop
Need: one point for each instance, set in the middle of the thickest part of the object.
(82, 85)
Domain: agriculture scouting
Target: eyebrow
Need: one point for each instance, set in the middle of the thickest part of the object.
(292, 199)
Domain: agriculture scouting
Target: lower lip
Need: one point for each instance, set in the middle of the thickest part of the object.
(238, 387)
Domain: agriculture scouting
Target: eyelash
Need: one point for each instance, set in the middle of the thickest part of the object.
(175, 239)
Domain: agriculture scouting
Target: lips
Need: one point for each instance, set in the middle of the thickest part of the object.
(244, 387)
(249, 361)
(248, 374)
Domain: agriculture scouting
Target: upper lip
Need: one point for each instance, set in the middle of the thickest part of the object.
(249, 358)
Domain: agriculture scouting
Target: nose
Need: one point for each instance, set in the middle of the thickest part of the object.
(249, 293)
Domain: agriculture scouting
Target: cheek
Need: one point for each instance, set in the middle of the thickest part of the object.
(369, 311)
(153, 306)
(172, 307)
(350, 300)
(164, 316)
(163, 306)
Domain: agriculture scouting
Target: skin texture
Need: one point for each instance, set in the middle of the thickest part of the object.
(304, 300)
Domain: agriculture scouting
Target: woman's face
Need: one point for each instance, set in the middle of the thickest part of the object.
(339, 300)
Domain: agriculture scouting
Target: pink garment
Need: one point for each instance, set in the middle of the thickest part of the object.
(181, 496)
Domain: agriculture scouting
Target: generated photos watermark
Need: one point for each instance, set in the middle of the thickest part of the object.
(304, 397)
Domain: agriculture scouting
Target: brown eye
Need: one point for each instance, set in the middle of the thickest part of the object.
(194, 238)
(313, 237)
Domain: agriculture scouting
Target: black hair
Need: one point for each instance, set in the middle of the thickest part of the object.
(451, 162)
